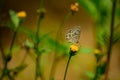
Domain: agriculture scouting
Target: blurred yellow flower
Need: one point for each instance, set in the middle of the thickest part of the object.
(74, 48)
(77, 4)
(74, 7)
(21, 14)
(97, 51)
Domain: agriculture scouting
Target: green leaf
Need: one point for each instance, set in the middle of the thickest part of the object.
(90, 75)
(102, 69)
(21, 67)
(28, 32)
(86, 50)
(60, 48)
(116, 36)
(45, 49)
(89, 7)
(15, 19)
(10, 25)
(44, 36)
(100, 10)
(29, 44)
(103, 36)
(118, 12)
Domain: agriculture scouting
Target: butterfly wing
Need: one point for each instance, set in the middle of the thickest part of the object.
(72, 35)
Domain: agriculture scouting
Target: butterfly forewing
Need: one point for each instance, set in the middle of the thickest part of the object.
(72, 35)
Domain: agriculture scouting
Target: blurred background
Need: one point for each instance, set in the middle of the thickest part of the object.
(55, 11)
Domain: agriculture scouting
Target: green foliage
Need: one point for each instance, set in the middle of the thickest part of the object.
(90, 75)
(118, 11)
(101, 69)
(29, 44)
(14, 18)
(60, 48)
(28, 32)
(104, 34)
(44, 43)
(103, 37)
(89, 7)
(44, 37)
(87, 50)
(116, 37)
(98, 9)
(10, 25)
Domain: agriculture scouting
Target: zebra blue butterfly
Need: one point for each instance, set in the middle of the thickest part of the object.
(72, 35)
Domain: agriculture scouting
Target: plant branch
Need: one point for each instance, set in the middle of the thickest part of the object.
(2, 51)
(41, 16)
(110, 39)
(37, 67)
(13, 40)
(96, 73)
(7, 59)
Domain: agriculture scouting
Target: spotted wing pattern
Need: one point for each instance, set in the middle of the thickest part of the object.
(72, 35)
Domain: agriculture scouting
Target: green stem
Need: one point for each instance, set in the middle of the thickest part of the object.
(13, 40)
(4, 58)
(37, 67)
(39, 23)
(3, 72)
(2, 51)
(9, 54)
(96, 73)
(97, 68)
(38, 70)
(110, 40)
(67, 67)
(38, 30)
(41, 15)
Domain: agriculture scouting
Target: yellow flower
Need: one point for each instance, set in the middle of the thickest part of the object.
(97, 51)
(21, 14)
(77, 4)
(74, 7)
(74, 48)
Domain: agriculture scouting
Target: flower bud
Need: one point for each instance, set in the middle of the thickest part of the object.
(73, 49)
(41, 12)
(21, 14)
(74, 7)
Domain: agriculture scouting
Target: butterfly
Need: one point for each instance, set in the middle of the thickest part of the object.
(72, 35)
